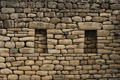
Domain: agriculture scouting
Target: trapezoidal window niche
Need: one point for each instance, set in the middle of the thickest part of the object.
(40, 41)
(90, 41)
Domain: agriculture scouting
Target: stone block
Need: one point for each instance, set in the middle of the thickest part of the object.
(3, 31)
(58, 67)
(2, 59)
(74, 62)
(4, 50)
(69, 68)
(14, 15)
(20, 44)
(8, 23)
(58, 77)
(12, 4)
(90, 26)
(2, 65)
(78, 51)
(77, 19)
(12, 77)
(30, 44)
(71, 26)
(99, 19)
(115, 57)
(7, 10)
(103, 33)
(24, 77)
(35, 77)
(55, 20)
(108, 27)
(42, 73)
(39, 4)
(26, 39)
(54, 51)
(52, 5)
(66, 20)
(10, 59)
(29, 62)
(6, 71)
(115, 6)
(65, 42)
(61, 26)
(26, 50)
(87, 67)
(52, 41)
(41, 25)
(10, 45)
(17, 63)
(47, 78)
(1, 24)
(47, 67)
(24, 68)
(59, 47)
(2, 44)
(78, 40)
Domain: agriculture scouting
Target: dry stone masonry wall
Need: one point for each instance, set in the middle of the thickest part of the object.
(59, 39)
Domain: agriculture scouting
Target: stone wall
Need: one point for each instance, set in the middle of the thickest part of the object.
(59, 40)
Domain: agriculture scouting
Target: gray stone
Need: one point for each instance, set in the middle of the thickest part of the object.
(1, 24)
(61, 6)
(90, 26)
(3, 31)
(14, 15)
(39, 4)
(41, 25)
(115, 6)
(14, 51)
(7, 10)
(4, 16)
(52, 5)
(13, 4)
(18, 63)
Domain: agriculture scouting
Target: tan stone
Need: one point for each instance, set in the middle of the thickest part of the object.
(64, 63)
(58, 67)
(26, 50)
(60, 47)
(10, 59)
(12, 77)
(24, 68)
(115, 57)
(19, 44)
(1, 44)
(41, 25)
(61, 26)
(2, 59)
(99, 19)
(4, 38)
(29, 72)
(30, 44)
(53, 51)
(35, 68)
(65, 42)
(47, 78)
(66, 20)
(108, 27)
(78, 51)
(103, 33)
(27, 39)
(42, 73)
(88, 18)
(78, 40)
(59, 37)
(2, 65)
(18, 63)
(69, 68)
(21, 58)
(29, 62)
(78, 32)
(3, 31)
(6, 71)
(24, 77)
(10, 44)
(90, 26)
(52, 41)
(35, 77)
(8, 23)
(74, 62)
(14, 15)
(4, 50)
(47, 67)
(18, 72)
(88, 67)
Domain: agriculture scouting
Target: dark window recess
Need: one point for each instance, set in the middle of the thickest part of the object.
(90, 41)
(40, 41)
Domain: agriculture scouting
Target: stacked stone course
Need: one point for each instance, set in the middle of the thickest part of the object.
(59, 40)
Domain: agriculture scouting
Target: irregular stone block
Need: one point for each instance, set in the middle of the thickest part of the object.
(30, 44)
(99, 19)
(14, 15)
(6, 71)
(65, 42)
(60, 47)
(10, 59)
(69, 68)
(18, 63)
(1, 44)
(77, 19)
(108, 27)
(42, 73)
(90, 26)
(2, 59)
(78, 51)
(4, 16)
(29, 62)
(8, 23)
(66, 20)
(2, 65)
(14, 51)
(10, 44)
(24, 77)
(47, 67)
(55, 20)
(103, 33)
(47, 78)
(20, 44)
(41, 25)
(58, 67)
(1, 24)
(3, 31)
(4, 50)
(26, 39)
(26, 50)
(35, 77)
(24, 68)
(39, 4)
(53, 51)
(115, 6)
(61, 26)
(52, 5)
(13, 4)
(115, 57)
(12, 77)
(7, 10)
(78, 40)
(52, 42)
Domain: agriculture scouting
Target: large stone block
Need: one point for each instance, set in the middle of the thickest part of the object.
(99, 19)
(41, 25)
(6, 71)
(52, 4)
(13, 77)
(10, 44)
(115, 6)
(103, 33)
(42, 73)
(65, 42)
(26, 39)
(4, 50)
(90, 26)
(53, 51)
(2, 65)
(2, 59)
(24, 77)
(7, 10)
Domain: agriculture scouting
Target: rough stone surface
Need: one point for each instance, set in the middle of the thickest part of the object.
(6, 71)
